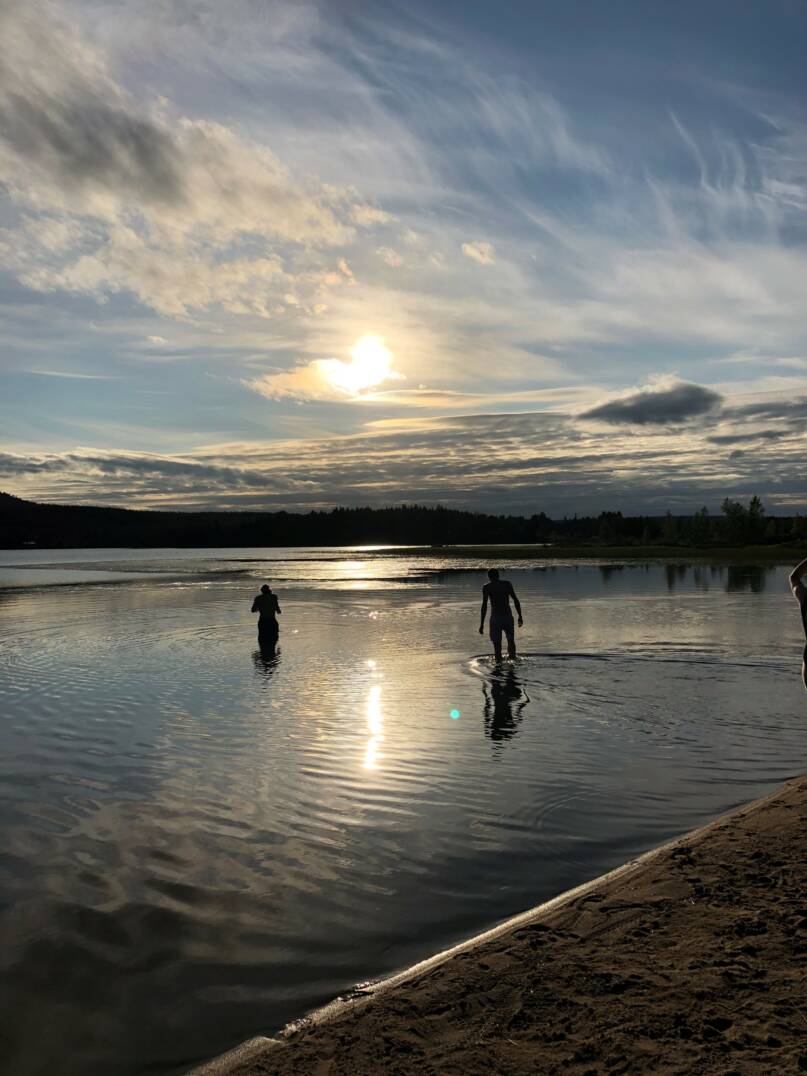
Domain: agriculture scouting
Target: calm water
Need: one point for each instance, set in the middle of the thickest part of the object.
(200, 843)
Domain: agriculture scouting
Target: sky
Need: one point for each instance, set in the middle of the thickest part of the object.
(513, 256)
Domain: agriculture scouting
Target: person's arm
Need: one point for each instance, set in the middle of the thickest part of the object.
(796, 585)
(517, 604)
(277, 605)
(255, 606)
(484, 610)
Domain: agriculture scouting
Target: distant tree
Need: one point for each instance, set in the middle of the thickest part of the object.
(700, 527)
(743, 525)
(756, 522)
(610, 526)
(669, 532)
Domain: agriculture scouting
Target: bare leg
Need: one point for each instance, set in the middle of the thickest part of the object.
(496, 639)
(511, 642)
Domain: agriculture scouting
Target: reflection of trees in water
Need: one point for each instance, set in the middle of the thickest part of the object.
(675, 573)
(607, 570)
(504, 701)
(753, 577)
(700, 577)
(736, 577)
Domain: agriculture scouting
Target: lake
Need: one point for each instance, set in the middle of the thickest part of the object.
(201, 842)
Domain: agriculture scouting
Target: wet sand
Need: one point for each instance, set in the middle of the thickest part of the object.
(690, 960)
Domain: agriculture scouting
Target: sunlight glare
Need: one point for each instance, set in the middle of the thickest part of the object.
(371, 364)
(375, 721)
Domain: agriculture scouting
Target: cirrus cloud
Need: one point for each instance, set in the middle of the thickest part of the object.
(482, 253)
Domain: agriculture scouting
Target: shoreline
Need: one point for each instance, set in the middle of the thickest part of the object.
(743, 555)
(556, 988)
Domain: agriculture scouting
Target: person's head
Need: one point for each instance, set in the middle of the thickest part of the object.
(493, 574)
(265, 589)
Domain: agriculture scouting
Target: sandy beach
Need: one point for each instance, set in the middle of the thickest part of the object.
(690, 960)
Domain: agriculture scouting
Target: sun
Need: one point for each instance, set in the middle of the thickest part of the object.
(371, 364)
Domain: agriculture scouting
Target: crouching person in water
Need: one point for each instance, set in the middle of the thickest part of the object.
(268, 606)
(499, 592)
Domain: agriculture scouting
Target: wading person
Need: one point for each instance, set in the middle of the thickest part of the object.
(267, 605)
(800, 594)
(499, 592)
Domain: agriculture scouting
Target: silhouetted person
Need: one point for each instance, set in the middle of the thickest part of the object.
(800, 594)
(504, 701)
(499, 592)
(268, 606)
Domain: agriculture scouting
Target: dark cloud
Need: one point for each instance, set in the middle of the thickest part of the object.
(84, 141)
(657, 406)
(134, 468)
(740, 438)
(793, 411)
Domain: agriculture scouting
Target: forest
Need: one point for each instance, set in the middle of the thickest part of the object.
(25, 524)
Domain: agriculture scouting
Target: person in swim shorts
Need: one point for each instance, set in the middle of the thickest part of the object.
(499, 592)
(267, 605)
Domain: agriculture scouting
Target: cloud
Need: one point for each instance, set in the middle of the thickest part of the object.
(72, 375)
(135, 468)
(793, 410)
(483, 253)
(525, 462)
(365, 216)
(392, 258)
(113, 196)
(740, 438)
(661, 405)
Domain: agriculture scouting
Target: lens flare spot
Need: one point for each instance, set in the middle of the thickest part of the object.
(455, 715)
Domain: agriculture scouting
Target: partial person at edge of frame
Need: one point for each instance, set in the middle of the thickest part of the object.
(800, 594)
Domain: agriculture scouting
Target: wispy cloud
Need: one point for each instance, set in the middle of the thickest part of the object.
(482, 253)
(74, 376)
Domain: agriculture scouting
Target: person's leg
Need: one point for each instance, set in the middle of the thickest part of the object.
(510, 632)
(496, 636)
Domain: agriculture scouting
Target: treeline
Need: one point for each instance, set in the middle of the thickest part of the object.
(25, 523)
(737, 525)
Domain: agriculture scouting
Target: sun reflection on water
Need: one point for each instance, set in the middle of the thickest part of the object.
(375, 725)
